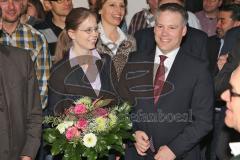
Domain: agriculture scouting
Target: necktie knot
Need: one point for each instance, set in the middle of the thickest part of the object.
(162, 58)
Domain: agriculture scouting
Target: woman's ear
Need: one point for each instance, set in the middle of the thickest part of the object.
(100, 12)
(71, 34)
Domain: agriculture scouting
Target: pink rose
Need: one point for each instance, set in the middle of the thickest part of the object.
(100, 112)
(80, 109)
(81, 124)
(72, 132)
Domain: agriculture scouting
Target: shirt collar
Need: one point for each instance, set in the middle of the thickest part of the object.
(105, 38)
(235, 148)
(18, 28)
(171, 54)
(74, 60)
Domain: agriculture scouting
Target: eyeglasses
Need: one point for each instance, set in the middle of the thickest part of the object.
(60, 1)
(90, 30)
(232, 93)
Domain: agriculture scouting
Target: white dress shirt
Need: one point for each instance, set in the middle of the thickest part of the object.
(235, 148)
(167, 63)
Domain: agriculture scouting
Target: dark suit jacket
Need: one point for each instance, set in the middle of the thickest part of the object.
(183, 115)
(70, 83)
(194, 42)
(20, 107)
(213, 47)
(230, 40)
(222, 78)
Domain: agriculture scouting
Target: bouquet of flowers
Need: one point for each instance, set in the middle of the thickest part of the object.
(89, 129)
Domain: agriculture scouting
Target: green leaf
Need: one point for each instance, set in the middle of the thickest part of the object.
(101, 103)
(71, 153)
(50, 135)
(90, 154)
(118, 148)
(58, 146)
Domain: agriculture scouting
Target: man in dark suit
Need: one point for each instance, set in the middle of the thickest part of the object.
(171, 118)
(194, 41)
(221, 80)
(228, 17)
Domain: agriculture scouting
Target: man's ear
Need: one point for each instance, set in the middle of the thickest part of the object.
(47, 5)
(184, 30)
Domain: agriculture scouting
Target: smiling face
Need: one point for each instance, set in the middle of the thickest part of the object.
(232, 118)
(11, 10)
(85, 36)
(112, 12)
(169, 30)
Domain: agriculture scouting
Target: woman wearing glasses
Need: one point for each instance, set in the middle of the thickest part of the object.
(112, 40)
(79, 70)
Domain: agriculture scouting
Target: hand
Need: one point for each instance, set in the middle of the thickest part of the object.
(142, 142)
(164, 153)
(221, 61)
(25, 158)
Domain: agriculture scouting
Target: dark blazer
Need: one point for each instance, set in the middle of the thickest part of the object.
(69, 83)
(20, 106)
(230, 40)
(222, 78)
(194, 42)
(183, 115)
(213, 47)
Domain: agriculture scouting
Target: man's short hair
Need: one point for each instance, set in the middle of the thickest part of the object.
(181, 1)
(173, 7)
(234, 8)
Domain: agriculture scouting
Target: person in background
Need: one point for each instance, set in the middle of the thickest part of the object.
(25, 36)
(228, 17)
(54, 22)
(93, 4)
(32, 12)
(35, 9)
(144, 18)
(208, 16)
(113, 40)
(20, 105)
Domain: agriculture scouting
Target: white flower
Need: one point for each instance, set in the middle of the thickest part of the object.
(90, 140)
(63, 126)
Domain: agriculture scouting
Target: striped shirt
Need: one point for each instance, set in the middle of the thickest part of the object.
(141, 20)
(26, 37)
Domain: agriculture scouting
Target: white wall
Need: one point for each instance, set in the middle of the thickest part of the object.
(133, 6)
